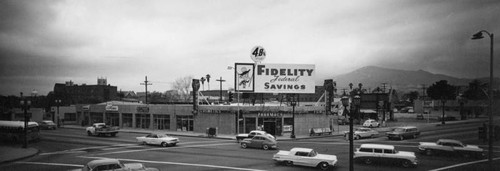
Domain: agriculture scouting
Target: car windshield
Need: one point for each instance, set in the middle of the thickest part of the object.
(399, 130)
(313, 153)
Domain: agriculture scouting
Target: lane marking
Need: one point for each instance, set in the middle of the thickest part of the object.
(176, 147)
(463, 164)
(51, 164)
(178, 163)
(61, 152)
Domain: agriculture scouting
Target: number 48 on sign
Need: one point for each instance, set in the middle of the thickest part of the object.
(258, 54)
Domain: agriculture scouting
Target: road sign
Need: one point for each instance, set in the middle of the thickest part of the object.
(258, 54)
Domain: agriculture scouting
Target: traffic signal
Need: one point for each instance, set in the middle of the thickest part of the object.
(230, 94)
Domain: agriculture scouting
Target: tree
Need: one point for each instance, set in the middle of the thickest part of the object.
(183, 86)
(411, 96)
(208, 81)
(441, 90)
(476, 91)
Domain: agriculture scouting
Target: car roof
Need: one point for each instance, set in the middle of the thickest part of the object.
(406, 127)
(450, 140)
(383, 146)
(263, 132)
(99, 162)
(302, 149)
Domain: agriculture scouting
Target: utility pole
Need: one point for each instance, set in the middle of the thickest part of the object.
(423, 91)
(146, 83)
(220, 80)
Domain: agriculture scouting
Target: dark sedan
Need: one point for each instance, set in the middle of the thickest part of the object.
(47, 124)
(401, 133)
(259, 141)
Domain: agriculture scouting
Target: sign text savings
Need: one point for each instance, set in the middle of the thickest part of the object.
(286, 78)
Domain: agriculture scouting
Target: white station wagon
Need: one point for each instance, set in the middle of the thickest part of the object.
(370, 153)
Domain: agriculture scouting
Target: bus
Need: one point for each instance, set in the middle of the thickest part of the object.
(14, 131)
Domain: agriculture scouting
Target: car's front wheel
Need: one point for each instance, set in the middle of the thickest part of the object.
(406, 163)
(368, 161)
(323, 166)
(289, 163)
(265, 147)
(243, 145)
(164, 144)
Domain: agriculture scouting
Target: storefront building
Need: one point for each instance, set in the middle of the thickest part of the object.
(277, 120)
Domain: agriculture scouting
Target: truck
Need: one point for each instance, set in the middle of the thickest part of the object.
(451, 147)
(100, 129)
(305, 157)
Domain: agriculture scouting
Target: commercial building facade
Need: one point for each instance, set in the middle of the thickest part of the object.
(277, 120)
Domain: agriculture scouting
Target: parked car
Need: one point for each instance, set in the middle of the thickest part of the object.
(401, 133)
(371, 123)
(446, 118)
(102, 129)
(451, 147)
(259, 141)
(362, 133)
(253, 133)
(113, 164)
(158, 139)
(47, 124)
(370, 153)
(305, 157)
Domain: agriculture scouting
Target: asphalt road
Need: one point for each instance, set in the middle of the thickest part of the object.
(67, 149)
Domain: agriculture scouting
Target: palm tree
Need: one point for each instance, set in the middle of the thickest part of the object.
(208, 81)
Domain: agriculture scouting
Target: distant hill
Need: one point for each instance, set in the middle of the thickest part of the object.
(402, 80)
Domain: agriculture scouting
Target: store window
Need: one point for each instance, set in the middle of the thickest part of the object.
(70, 117)
(142, 121)
(112, 119)
(161, 121)
(96, 117)
(184, 123)
(127, 120)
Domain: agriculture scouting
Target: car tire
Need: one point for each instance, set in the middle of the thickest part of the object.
(406, 163)
(289, 163)
(358, 137)
(243, 145)
(368, 161)
(323, 166)
(89, 133)
(265, 147)
(401, 138)
(415, 136)
(371, 136)
(429, 152)
(466, 155)
(164, 144)
(144, 143)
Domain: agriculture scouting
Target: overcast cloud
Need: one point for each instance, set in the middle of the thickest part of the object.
(47, 42)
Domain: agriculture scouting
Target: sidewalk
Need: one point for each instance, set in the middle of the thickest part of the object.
(10, 153)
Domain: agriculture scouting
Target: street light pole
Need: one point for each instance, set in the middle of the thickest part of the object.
(58, 102)
(25, 105)
(479, 35)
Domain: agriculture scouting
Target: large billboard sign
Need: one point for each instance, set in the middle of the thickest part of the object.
(275, 78)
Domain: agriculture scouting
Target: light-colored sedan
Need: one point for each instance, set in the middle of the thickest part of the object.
(158, 139)
(362, 133)
(113, 164)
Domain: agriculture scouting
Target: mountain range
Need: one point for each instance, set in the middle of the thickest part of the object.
(402, 80)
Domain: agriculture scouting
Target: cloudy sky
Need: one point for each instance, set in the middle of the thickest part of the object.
(47, 42)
